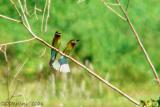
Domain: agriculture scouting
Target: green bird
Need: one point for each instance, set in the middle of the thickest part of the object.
(55, 43)
(63, 61)
(62, 64)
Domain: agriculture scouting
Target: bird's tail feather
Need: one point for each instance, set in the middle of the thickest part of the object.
(64, 68)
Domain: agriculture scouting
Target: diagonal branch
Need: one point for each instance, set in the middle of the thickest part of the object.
(111, 9)
(140, 43)
(14, 5)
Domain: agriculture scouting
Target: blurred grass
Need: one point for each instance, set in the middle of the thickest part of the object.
(105, 39)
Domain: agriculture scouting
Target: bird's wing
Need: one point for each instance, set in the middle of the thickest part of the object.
(53, 56)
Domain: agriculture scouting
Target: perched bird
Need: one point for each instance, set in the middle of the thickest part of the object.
(56, 43)
(63, 61)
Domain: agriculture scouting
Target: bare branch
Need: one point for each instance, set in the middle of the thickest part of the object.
(43, 53)
(39, 10)
(15, 76)
(5, 54)
(14, 91)
(25, 18)
(140, 43)
(19, 70)
(35, 12)
(3, 49)
(111, 9)
(48, 14)
(25, 8)
(14, 5)
(17, 42)
(44, 11)
(11, 19)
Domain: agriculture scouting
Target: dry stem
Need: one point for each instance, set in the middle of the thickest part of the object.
(111, 9)
(140, 43)
(17, 42)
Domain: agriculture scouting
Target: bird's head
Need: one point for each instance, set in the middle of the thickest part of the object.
(70, 46)
(56, 39)
(73, 42)
(57, 34)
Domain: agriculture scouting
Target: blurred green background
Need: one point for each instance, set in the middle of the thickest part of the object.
(106, 42)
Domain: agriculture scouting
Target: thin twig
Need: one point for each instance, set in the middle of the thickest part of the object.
(14, 5)
(115, 12)
(39, 10)
(35, 12)
(25, 8)
(44, 11)
(25, 18)
(48, 14)
(17, 42)
(43, 52)
(18, 72)
(20, 68)
(14, 91)
(5, 53)
(11, 19)
(140, 43)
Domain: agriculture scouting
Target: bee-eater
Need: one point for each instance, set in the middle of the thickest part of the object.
(63, 61)
(56, 43)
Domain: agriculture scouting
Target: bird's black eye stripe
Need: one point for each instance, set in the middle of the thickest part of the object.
(58, 34)
(73, 43)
